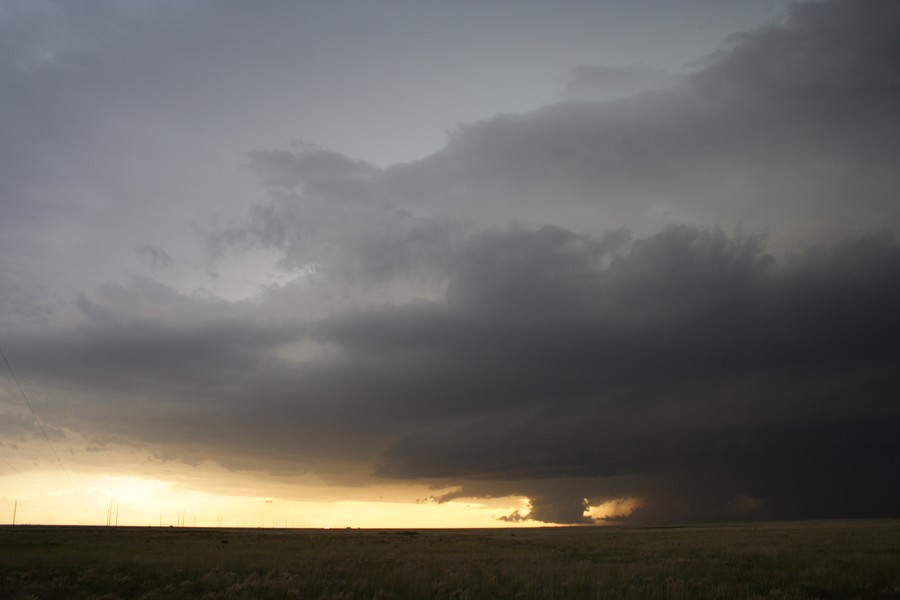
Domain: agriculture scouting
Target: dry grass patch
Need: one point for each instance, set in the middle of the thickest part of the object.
(840, 559)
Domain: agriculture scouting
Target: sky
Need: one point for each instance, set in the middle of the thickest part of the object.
(449, 264)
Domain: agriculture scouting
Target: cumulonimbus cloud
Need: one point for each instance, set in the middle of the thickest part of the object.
(687, 297)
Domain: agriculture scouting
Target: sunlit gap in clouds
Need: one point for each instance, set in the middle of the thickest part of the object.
(611, 510)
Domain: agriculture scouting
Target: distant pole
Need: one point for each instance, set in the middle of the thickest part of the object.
(15, 507)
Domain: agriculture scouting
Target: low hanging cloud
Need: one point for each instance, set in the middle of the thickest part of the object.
(694, 358)
(680, 305)
(724, 374)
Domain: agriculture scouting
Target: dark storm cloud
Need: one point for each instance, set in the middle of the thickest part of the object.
(558, 364)
(776, 130)
(695, 353)
(696, 357)
(576, 304)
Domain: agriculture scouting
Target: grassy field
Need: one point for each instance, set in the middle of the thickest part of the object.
(828, 559)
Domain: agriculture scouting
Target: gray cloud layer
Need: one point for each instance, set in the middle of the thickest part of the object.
(688, 358)
(688, 295)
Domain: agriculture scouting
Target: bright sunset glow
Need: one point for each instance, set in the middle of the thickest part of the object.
(47, 498)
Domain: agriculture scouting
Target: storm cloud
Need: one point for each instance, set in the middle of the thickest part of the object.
(691, 362)
(681, 301)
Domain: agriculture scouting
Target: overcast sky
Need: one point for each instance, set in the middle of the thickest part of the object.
(634, 260)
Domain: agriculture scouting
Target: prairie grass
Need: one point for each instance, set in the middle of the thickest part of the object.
(828, 559)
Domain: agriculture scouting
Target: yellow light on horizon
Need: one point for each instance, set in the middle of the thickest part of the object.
(144, 501)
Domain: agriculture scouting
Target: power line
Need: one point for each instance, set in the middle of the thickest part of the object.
(40, 490)
(46, 437)
(33, 484)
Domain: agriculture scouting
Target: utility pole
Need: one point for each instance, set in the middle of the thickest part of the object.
(112, 516)
(15, 507)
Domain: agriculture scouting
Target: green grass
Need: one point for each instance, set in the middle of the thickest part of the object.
(829, 559)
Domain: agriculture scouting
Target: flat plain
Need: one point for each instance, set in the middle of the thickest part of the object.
(822, 559)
